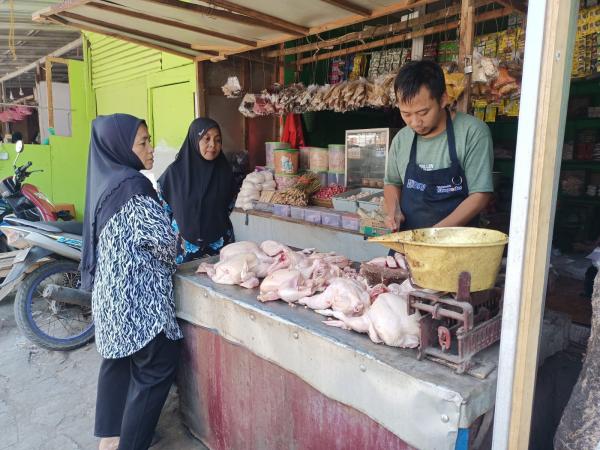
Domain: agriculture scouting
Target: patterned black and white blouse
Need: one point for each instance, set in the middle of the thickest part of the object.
(132, 298)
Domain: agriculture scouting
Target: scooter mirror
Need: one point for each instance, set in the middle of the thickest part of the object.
(19, 146)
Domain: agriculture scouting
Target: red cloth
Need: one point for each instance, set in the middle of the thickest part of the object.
(292, 131)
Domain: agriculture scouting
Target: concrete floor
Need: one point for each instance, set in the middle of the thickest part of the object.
(47, 398)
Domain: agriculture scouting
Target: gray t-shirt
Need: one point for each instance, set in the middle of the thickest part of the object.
(474, 148)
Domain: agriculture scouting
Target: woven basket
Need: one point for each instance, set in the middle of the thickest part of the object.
(324, 203)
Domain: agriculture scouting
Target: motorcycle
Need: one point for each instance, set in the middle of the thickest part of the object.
(25, 200)
(50, 309)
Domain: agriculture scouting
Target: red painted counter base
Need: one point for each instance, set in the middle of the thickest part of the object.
(233, 400)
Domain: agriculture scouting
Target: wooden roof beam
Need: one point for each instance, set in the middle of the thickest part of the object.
(118, 35)
(382, 30)
(294, 30)
(349, 6)
(44, 14)
(171, 23)
(234, 7)
(112, 26)
(491, 15)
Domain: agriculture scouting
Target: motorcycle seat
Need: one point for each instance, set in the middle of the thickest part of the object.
(49, 227)
(70, 226)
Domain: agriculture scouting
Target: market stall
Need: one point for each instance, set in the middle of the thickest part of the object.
(319, 385)
(358, 391)
(344, 66)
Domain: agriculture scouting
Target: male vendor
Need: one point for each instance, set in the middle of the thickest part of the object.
(439, 168)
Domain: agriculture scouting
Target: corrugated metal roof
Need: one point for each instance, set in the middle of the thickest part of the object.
(32, 40)
(115, 60)
(215, 28)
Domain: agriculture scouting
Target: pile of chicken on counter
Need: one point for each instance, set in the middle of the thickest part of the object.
(326, 283)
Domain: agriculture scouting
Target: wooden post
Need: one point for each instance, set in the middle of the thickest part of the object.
(200, 90)
(466, 36)
(281, 80)
(246, 83)
(4, 128)
(549, 42)
(49, 93)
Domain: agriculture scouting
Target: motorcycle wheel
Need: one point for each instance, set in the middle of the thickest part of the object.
(52, 324)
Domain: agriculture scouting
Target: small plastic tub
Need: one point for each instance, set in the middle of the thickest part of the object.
(371, 203)
(282, 210)
(331, 219)
(297, 212)
(350, 222)
(264, 207)
(312, 215)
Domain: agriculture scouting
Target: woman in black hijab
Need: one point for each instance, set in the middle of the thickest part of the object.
(128, 263)
(197, 189)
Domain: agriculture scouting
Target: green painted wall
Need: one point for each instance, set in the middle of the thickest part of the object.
(172, 113)
(64, 160)
(70, 154)
(115, 76)
(114, 61)
(146, 83)
(125, 97)
(39, 155)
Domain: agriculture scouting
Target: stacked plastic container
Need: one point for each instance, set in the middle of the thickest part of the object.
(319, 163)
(337, 164)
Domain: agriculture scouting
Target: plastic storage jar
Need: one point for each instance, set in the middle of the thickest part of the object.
(337, 158)
(286, 161)
(285, 181)
(270, 147)
(319, 159)
(304, 158)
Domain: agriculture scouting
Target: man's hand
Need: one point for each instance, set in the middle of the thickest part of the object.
(393, 216)
(394, 222)
(467, 210)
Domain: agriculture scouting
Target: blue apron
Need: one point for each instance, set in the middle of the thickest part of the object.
(428, 196)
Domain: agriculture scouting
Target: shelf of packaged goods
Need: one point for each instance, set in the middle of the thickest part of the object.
(565, 165)
(583, 200)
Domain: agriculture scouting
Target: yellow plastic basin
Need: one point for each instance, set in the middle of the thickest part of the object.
(437, 256)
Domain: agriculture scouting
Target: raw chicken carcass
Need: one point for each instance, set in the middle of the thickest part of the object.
(344, 295)
(273, 248)
(243, 269)
(323, 273)
(331, 258)
(285, 284)
(240, 247)
(387, 320)
(377, 290)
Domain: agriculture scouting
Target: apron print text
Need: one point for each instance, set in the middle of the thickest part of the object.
(449, 188)
(412, 184)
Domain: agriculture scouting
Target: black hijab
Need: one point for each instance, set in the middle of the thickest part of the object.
(199, 191)
(113, 178)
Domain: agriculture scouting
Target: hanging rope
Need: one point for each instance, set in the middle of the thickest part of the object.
(11, 31)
